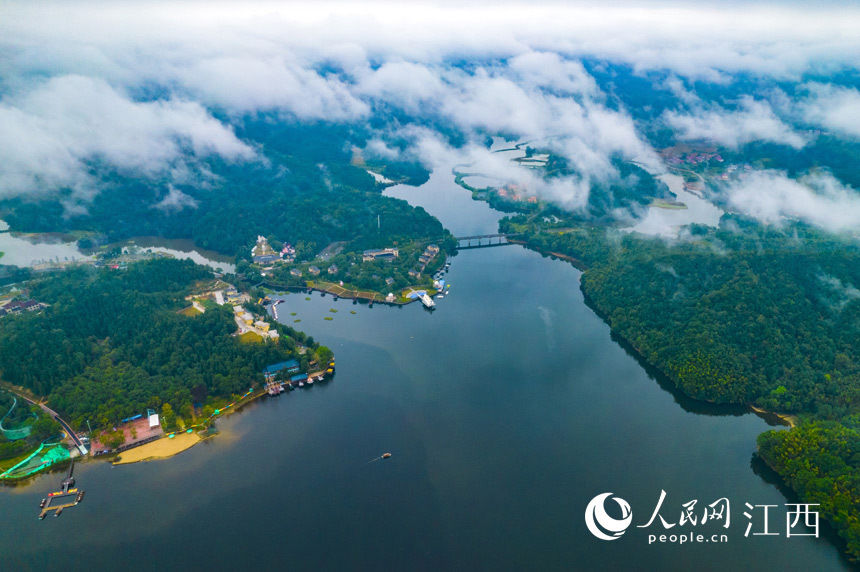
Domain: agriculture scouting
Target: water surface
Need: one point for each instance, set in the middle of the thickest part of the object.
(506, 410)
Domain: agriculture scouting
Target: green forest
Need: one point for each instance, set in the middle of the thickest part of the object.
(743, 314)
(301, 190)
(112, 343)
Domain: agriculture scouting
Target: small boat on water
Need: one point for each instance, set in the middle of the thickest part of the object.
(386, 455)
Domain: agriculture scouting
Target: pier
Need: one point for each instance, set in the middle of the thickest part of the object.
(66, 497)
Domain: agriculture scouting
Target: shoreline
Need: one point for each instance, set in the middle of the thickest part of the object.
(344, 293)
(786, 419)
(162, 448)
(165, 447)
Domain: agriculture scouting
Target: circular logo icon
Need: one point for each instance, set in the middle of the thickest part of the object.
(601, 524)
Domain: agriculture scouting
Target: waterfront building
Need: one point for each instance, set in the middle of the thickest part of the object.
(290, 366)
(380, 254)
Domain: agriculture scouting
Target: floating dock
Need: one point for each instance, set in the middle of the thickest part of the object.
(67, 497)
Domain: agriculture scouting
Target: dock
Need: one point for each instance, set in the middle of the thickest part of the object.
(274, 387)
(66, 497)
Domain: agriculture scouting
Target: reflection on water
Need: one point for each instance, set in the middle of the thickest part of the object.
(454, 207)
(185, 250)
(18, 251)
(43, 250)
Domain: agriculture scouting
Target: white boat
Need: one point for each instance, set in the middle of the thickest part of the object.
(427, 300)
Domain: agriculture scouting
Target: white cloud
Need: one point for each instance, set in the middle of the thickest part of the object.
(841, 293)
(691, 39)
(521, 75)
(246, 84)
(819, 199)
(175, 200)
(835, 108)
(51, 133)
(410, 85)
(752, 121)
(549, 70)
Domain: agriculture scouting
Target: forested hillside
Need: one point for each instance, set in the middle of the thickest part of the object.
(300, 189)
(744, 314)
(112, 342)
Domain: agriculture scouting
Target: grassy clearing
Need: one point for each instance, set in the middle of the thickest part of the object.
(251, 338)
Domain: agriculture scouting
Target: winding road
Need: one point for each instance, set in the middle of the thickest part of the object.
(68, 429)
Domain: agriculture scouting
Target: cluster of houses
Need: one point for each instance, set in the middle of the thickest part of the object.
(20, 306)
(314, 270)
(512, 193)
(692, 158)
(429, 253)
(248, 322)
(227, 295)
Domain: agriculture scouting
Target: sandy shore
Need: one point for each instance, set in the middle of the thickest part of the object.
(160, 449)
(790, 420)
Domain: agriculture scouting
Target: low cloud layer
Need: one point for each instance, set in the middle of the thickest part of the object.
(834, 108)
(53, 133)
(818, 199)
(752, 121)
(153, 87)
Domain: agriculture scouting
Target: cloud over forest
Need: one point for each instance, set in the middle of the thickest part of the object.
(153, 87)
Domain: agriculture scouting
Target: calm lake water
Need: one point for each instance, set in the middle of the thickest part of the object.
(24, 251)
(184, 249)
(41, 249)
(506, 410)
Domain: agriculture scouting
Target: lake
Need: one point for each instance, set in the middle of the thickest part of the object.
(37, 250)
(506, 411)
(33, 251)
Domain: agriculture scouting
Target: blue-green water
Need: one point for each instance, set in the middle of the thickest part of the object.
(506, 410)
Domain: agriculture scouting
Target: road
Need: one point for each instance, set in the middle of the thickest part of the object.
(68, 429)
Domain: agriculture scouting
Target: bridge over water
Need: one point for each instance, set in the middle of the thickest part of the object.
(484, 240)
